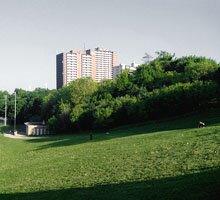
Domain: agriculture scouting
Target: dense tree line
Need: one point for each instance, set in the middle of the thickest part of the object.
(166, 86)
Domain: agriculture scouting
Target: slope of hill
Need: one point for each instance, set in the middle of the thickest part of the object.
(171, 159)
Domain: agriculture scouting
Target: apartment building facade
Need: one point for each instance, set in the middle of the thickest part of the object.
(119, 68)
(97, 64)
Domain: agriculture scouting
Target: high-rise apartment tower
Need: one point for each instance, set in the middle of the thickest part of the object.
(97, 64)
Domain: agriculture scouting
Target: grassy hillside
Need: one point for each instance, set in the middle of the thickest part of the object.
(159, 160)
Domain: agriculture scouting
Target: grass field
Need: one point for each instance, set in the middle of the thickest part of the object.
(169, 159)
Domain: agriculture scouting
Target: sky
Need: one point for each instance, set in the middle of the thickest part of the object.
(32, 32)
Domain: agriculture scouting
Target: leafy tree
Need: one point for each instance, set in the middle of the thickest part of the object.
(53, 124)
(166, 86)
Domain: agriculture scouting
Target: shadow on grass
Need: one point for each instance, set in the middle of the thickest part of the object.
(59, 141)
(212, 118)
(204, 185)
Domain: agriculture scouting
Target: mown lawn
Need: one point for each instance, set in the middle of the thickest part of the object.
(165, 160)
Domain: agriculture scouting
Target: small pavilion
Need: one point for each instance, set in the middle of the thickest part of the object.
(36, 128)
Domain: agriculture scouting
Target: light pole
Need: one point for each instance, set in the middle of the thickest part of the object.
(15, 116)
(5, 110)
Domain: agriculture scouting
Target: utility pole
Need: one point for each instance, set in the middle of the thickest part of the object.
(5, 110)
(15, 116)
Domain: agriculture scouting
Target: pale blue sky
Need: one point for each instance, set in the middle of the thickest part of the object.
(32, 32)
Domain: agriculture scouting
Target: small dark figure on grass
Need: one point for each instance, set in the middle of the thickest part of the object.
(91, 136)
(201, 124)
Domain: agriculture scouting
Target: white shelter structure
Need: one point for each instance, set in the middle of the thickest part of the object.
(36, 128)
